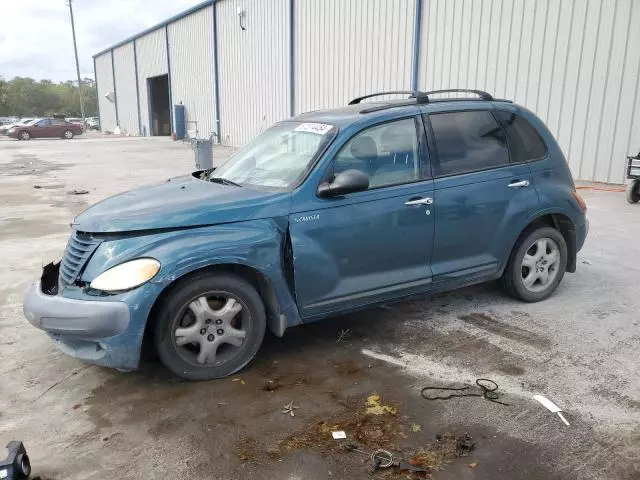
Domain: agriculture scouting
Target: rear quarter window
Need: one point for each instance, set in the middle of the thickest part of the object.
(525, 142)
(468, 141)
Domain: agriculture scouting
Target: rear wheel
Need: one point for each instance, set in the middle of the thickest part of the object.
(210, 326)
(24, 135)
(68, 134)
(633, 191)
(536, 266)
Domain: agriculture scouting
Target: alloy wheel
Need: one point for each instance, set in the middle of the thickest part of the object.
(211, 329)
(540, 265)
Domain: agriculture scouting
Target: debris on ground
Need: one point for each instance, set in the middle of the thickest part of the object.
(464, 445)
(343, 334)
(78, 191)
(289, 408)
(415, 428)
(488, 391)
(247, 449)
(473, 465)
(375, 407)
(379, 431)
(276, 383)
(552, 407)
(381, 459)
(370, 433)
(238, 380)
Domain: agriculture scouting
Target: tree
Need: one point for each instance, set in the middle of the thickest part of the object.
(25, 97)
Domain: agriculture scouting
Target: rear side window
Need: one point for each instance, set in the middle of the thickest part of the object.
(524, 140)
(468, 141)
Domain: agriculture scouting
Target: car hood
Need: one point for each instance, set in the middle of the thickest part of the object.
(178, 203)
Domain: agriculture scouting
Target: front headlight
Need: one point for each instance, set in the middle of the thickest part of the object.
(127, 275)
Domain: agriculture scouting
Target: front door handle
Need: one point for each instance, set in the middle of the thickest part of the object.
(523, 183)
(420, 201)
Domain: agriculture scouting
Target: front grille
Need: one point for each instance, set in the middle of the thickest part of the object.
(79, 249)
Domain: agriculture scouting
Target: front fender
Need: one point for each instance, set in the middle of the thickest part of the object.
(258, 244)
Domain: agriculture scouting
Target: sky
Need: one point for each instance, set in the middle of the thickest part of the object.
(36, 41)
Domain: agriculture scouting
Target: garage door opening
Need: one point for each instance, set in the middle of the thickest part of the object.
(160, 120)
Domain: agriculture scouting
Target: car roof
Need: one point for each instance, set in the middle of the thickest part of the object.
(350, 114)
(366, 112)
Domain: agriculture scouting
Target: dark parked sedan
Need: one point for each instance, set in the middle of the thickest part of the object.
(46, 128)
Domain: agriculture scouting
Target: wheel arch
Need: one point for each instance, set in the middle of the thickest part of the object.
(276, 322)
(560, 222)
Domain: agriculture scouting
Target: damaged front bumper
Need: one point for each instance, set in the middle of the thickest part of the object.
(106, 331)
(58, 315)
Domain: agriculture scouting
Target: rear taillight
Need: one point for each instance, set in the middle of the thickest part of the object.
(581, 203)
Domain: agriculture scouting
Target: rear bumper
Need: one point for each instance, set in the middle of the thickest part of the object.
(80, 319)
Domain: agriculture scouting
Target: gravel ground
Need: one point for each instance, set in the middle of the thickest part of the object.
(580, 348)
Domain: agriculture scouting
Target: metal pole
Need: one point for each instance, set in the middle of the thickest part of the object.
(75, 50)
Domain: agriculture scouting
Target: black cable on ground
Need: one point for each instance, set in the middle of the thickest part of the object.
(487, 386)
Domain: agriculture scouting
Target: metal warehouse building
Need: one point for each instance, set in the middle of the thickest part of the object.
(237, 66)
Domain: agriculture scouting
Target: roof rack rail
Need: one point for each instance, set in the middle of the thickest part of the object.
(420, 97)
(483, 95)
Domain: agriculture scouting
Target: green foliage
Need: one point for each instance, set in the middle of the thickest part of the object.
(25, 97)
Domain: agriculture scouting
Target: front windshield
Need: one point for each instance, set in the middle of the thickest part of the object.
(277, 157)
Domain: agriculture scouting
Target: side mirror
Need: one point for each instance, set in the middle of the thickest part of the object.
(349, 181)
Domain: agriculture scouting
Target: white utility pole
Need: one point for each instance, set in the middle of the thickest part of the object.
(75, 50)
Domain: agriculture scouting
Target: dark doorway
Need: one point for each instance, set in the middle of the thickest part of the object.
(159, 118)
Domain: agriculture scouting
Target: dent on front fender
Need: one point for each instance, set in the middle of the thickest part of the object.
(258, 244)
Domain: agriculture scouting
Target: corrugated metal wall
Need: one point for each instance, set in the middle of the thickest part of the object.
(124, 67)
(254, 66)
(104, 75)
(152, 61)
(575, 63)
(191, 54)
(347, 48)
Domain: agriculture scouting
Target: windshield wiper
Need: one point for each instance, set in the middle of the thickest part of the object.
(224, 181)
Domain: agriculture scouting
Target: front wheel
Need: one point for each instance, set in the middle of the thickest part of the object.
(633, 191)
(68, 134)
(536, 266)
(210, 326)
(24, 135)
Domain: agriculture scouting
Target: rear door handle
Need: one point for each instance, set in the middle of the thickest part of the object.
(420, 201)
(522, 183)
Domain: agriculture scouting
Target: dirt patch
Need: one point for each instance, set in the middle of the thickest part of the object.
(367, 432)
(29, 164)
(511, 332)
(623, 400)
(247, 448)
(285, 381)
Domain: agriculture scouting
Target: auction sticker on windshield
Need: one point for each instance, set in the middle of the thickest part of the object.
(319, 128)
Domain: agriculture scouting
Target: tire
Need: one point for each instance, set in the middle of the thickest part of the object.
(212, 324)
(68, 134)
(632, 191)
(530, 244)
(24, 135)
